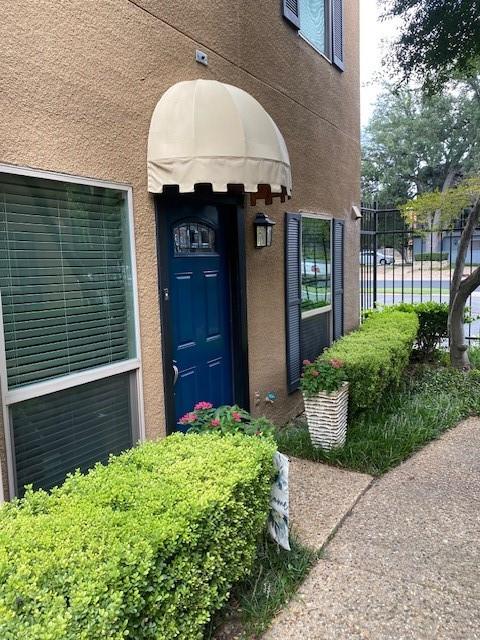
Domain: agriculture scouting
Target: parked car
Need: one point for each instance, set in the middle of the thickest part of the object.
(313, 268)
(368, 257)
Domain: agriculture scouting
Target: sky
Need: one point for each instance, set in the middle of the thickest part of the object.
(374, 34)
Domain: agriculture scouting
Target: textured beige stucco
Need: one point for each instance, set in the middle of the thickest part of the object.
(79, 80)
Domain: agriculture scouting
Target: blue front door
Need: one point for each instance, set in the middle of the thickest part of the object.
(200, 307)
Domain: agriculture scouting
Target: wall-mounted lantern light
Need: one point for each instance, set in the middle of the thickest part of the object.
(263, 230)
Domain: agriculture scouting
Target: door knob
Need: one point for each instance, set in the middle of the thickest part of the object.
(175, 372)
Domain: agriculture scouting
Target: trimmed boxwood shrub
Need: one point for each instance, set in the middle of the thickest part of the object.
(375, 356)
(147, 546)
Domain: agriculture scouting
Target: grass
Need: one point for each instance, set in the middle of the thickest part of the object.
(407, 291)
(275, 577)
(307, 305)
(430, 400)
(474, 355)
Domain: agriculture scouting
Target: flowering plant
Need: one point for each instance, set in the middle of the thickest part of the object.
(205, 418)
(322, 375)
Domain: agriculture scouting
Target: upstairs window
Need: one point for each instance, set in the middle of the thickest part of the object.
(320, 23)
(314, 23)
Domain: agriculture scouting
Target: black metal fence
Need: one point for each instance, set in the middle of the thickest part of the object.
(402, 264)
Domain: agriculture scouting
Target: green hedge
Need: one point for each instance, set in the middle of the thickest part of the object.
(375, 355)
(431, 257)
(433, 324)
(147, 546)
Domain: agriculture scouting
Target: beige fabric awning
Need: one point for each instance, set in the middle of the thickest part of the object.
(207, 132)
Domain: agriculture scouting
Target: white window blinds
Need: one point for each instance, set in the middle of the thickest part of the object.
(65, 278)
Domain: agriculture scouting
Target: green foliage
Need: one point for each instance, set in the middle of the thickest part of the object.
(451, 203)
(429, 401)
(375, 356)
(225, 420)
(433, 324)
(145, 547)
(322, 375)
(416, 143)
(275, 576)
(307, 305)
(446, 207)
(437, 40)
(430, 257)
(474, 356)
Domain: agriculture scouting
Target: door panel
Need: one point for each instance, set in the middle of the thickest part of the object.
(186, 388)
(217, 377)
(185, 328)
(200, 308)
(213, 296)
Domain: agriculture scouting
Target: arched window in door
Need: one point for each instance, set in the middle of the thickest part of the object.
(192, 238)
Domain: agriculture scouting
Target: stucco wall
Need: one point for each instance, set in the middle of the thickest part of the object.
(79, 80)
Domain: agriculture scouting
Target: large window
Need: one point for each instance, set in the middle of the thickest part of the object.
(316, 270)
(69, 332)
(314, 21)
(314, 288)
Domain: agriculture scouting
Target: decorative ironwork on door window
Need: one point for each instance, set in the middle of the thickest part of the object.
(193, 237)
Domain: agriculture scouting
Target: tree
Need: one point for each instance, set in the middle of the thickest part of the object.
(439, 39)
(417, 143)
(451, 203)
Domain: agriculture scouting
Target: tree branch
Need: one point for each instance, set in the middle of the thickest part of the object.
(475, 85)
(470, 283)
(467, 234)
(435, 223)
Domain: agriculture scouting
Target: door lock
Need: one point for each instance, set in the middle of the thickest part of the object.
(166, 295)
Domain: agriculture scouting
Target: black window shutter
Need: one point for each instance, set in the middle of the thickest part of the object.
(338, 277)
(337, 34)
(293, 294)
(291, 12)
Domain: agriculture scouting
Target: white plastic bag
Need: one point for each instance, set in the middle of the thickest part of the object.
(278, 517)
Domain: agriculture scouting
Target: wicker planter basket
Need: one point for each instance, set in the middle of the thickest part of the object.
(327, 417)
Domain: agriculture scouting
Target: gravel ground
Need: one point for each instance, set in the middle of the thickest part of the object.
(405, 563)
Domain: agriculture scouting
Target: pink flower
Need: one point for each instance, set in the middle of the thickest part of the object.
(215, 422)
(188, 418)
(315, 374)
(306, 362)
(236, 416)
(203, 405)
(336, 363)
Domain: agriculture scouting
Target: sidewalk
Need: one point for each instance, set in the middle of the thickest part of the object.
(405, 564)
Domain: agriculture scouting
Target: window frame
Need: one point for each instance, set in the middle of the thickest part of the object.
(46, 387)
(318, 216)
(327, 54)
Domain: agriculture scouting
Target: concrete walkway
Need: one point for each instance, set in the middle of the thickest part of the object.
(405, 563)
(320, 498)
